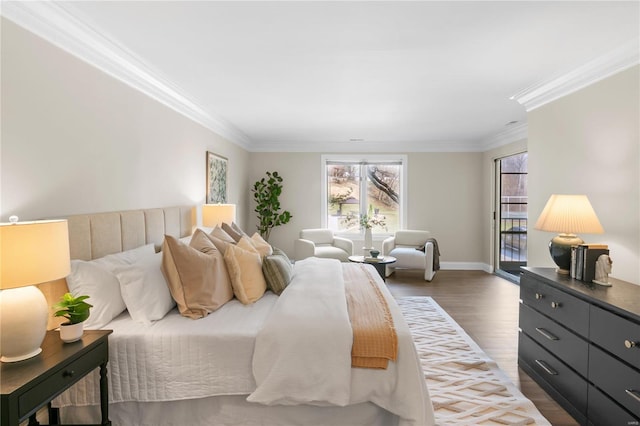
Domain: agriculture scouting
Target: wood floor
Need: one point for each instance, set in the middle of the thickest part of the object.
(486, 306)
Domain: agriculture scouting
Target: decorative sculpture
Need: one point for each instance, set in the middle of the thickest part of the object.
(603, 269)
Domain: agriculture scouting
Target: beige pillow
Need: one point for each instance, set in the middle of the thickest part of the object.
(197, 275)
(232, 232)
(263, 247)
(220, 239)
(245, 270)
(245, 243)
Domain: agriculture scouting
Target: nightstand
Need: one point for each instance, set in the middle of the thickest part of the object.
(31, 384)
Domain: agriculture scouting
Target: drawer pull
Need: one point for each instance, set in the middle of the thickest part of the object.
(546, 368)
(546, 334)
(555, 305)
(68, 373)
(633, 393)
(630, 344)
(539, 296)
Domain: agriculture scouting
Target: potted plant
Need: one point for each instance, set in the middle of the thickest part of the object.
(266, 193)
(76, 311)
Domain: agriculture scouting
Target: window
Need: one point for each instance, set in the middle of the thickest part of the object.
(355, 187)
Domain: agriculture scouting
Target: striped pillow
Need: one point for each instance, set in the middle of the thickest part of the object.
(277, 270)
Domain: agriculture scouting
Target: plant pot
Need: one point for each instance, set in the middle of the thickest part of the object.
(71, 332)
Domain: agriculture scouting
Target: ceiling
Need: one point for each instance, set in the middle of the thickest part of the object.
(350, 76)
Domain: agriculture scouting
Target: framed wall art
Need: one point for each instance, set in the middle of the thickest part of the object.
(217, 167)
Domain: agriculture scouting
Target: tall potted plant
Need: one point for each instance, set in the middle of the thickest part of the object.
(76, 311)
(266, 193)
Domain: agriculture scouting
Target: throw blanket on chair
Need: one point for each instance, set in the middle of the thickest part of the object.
(375, 342)
(436, 252)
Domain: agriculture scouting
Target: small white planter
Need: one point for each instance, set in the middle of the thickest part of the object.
(71, 332)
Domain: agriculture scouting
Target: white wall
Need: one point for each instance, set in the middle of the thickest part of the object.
(588, 143)
(75, 140)
(444, 195)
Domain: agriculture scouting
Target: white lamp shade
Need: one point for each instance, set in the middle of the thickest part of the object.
(30, 253)
(569, 214)
(217, 214)
(33, 252)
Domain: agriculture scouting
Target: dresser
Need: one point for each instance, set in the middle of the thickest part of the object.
(581, 343)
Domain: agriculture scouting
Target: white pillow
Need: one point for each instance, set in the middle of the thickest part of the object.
(103, 289)
(95, 279)
(145, 290)
(127, 257)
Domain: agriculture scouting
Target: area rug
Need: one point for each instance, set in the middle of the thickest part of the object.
(466, 386)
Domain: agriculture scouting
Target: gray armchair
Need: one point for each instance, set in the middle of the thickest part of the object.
(322, 243)
(403, 246)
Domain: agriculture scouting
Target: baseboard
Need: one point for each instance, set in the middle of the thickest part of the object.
(466, 266)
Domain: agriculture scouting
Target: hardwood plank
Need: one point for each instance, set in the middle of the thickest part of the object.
(486, 307)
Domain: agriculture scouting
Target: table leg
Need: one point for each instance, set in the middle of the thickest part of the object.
(104, 395)
(380, 267)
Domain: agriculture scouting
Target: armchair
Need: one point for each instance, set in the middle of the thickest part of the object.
(322, 243)
(403, 247)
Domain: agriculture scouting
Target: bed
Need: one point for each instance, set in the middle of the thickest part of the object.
(242, 364)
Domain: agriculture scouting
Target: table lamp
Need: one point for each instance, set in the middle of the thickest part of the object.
(217, 214)
(30, 253)
(568, 215)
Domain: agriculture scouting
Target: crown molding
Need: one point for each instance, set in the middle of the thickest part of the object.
(513, 133)
(600, 68)
(381, 147)
(62, 27)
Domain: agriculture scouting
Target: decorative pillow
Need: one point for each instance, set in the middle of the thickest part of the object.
(144, 289)
(263, 247)
(103, 289)
(220, 239)
(237, 228)
(232, 232)
(245, 243)
(197, 276)
(277, 270)
(97, 280)
(245, 270)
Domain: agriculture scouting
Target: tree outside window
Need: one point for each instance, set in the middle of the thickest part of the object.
(364, 190)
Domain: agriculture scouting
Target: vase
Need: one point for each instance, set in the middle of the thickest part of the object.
(71, 332)
(368, 241)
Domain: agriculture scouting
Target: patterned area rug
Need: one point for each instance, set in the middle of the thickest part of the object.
(466, 386)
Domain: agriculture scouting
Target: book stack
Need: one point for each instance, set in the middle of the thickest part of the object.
(583, 260)
(372, 259)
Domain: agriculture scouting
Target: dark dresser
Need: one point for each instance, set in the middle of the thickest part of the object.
(581, 343)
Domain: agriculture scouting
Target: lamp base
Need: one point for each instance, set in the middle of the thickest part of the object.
(560, 250)
(23, 323)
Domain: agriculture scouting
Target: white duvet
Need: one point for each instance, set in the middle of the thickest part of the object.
(178, 358)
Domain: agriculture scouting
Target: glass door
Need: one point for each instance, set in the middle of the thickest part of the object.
(512, 226)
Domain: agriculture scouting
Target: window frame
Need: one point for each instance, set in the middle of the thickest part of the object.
(371, 159)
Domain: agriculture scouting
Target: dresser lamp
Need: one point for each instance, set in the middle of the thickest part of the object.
(568, 215)
(217, 214)
(30, 253)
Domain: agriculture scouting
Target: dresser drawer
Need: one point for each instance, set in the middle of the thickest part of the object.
(62, 379)
(565, 345)
(615, 378)
(611, 331)
(604, 412)
(562, 307)
(566, 381)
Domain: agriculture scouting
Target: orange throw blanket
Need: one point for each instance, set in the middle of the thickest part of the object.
(374, 336)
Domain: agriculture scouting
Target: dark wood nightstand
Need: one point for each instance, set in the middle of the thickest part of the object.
(31, 384)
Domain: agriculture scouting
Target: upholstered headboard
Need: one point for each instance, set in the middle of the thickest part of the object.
(92, 236)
